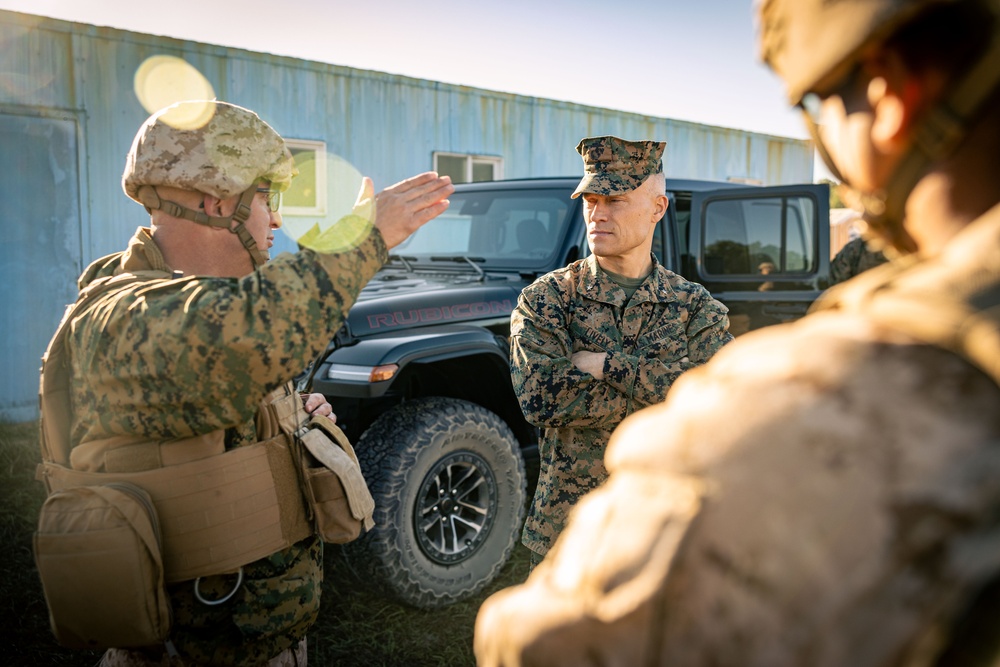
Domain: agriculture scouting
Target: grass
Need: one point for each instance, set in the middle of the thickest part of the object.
(355, 627)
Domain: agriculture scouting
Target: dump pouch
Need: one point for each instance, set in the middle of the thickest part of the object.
(97, 550)
(335, 489)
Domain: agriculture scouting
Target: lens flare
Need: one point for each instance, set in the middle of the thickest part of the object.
(163, 80)
(323, 209)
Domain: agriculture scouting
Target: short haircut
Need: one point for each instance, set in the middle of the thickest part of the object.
(657, 184)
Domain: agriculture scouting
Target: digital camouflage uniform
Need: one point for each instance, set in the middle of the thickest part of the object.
(169, 357)
(668, 326)
(789, 507)
(147, 361)
(854, 258)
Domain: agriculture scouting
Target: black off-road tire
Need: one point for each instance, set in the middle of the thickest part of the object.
(449, 486)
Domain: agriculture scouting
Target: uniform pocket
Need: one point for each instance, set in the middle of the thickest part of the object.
(336, 490)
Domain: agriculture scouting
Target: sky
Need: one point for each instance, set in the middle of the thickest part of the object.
(692, 60)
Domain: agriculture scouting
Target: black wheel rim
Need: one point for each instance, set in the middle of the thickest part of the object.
(455, 508)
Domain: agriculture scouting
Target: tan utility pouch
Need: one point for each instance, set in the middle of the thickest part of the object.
(335, 488)
(97, 550)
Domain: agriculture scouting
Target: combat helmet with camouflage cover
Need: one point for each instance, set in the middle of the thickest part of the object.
(814, 45)
(211, 147)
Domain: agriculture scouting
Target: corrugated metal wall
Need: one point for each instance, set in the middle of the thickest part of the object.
(78, 78)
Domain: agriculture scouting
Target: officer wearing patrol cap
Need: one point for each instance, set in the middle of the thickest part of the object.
(825, 492)
(180, 352)
(607, 335)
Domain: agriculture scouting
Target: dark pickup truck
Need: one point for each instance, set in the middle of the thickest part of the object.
(419, 375)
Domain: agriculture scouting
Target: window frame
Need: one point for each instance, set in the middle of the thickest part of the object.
(784, 201)
(471, 159)
(697, 233)
(320, 209)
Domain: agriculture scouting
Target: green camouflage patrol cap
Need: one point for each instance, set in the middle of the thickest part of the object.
(614, 166)
(223, 153)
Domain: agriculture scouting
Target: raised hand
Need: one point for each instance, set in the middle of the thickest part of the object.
(402, 208)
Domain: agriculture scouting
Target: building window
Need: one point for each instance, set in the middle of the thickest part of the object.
(307, 194)
(468, 168)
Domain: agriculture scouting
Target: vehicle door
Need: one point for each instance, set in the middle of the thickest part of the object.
(764, 252)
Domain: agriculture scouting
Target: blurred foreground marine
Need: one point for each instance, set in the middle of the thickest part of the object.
(854, 258)
(826, 492)
(607, 335)
(172, 434)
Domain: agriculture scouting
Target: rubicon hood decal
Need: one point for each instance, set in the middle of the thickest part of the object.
(461, 311)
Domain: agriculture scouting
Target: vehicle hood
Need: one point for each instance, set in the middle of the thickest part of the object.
(394, 301)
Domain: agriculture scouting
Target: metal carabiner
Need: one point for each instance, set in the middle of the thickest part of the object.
(225, 598)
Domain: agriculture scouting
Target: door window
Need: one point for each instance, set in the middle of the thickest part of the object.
(759, 236)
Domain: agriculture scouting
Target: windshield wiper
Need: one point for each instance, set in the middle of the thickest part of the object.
(462, 258)
(406, 264)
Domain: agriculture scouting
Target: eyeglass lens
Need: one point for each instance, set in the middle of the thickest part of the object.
(273, 198)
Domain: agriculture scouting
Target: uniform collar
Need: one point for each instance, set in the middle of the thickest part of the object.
(142, 254)
(598, 286)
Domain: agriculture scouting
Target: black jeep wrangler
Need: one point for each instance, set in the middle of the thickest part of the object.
(419, 375)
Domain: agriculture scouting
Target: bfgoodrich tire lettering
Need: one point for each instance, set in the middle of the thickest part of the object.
(449, 488)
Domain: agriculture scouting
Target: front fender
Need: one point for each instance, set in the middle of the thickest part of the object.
(347, 371)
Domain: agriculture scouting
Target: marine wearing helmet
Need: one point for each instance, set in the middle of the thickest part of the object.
(229, 152)
(175, 365)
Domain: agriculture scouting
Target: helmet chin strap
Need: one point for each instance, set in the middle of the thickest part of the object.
(939, 132)
(151, 200)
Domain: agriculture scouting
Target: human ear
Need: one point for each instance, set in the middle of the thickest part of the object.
(212, 206)
(896, 97)
(889, 115)
(220, 208)
(659, 207)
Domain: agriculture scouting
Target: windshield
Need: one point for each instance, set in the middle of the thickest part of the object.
(514, 229)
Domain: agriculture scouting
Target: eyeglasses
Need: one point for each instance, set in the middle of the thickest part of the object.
(852, 91)
(851, 88)
(273, 198)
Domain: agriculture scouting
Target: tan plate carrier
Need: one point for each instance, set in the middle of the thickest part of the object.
(218, 510)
